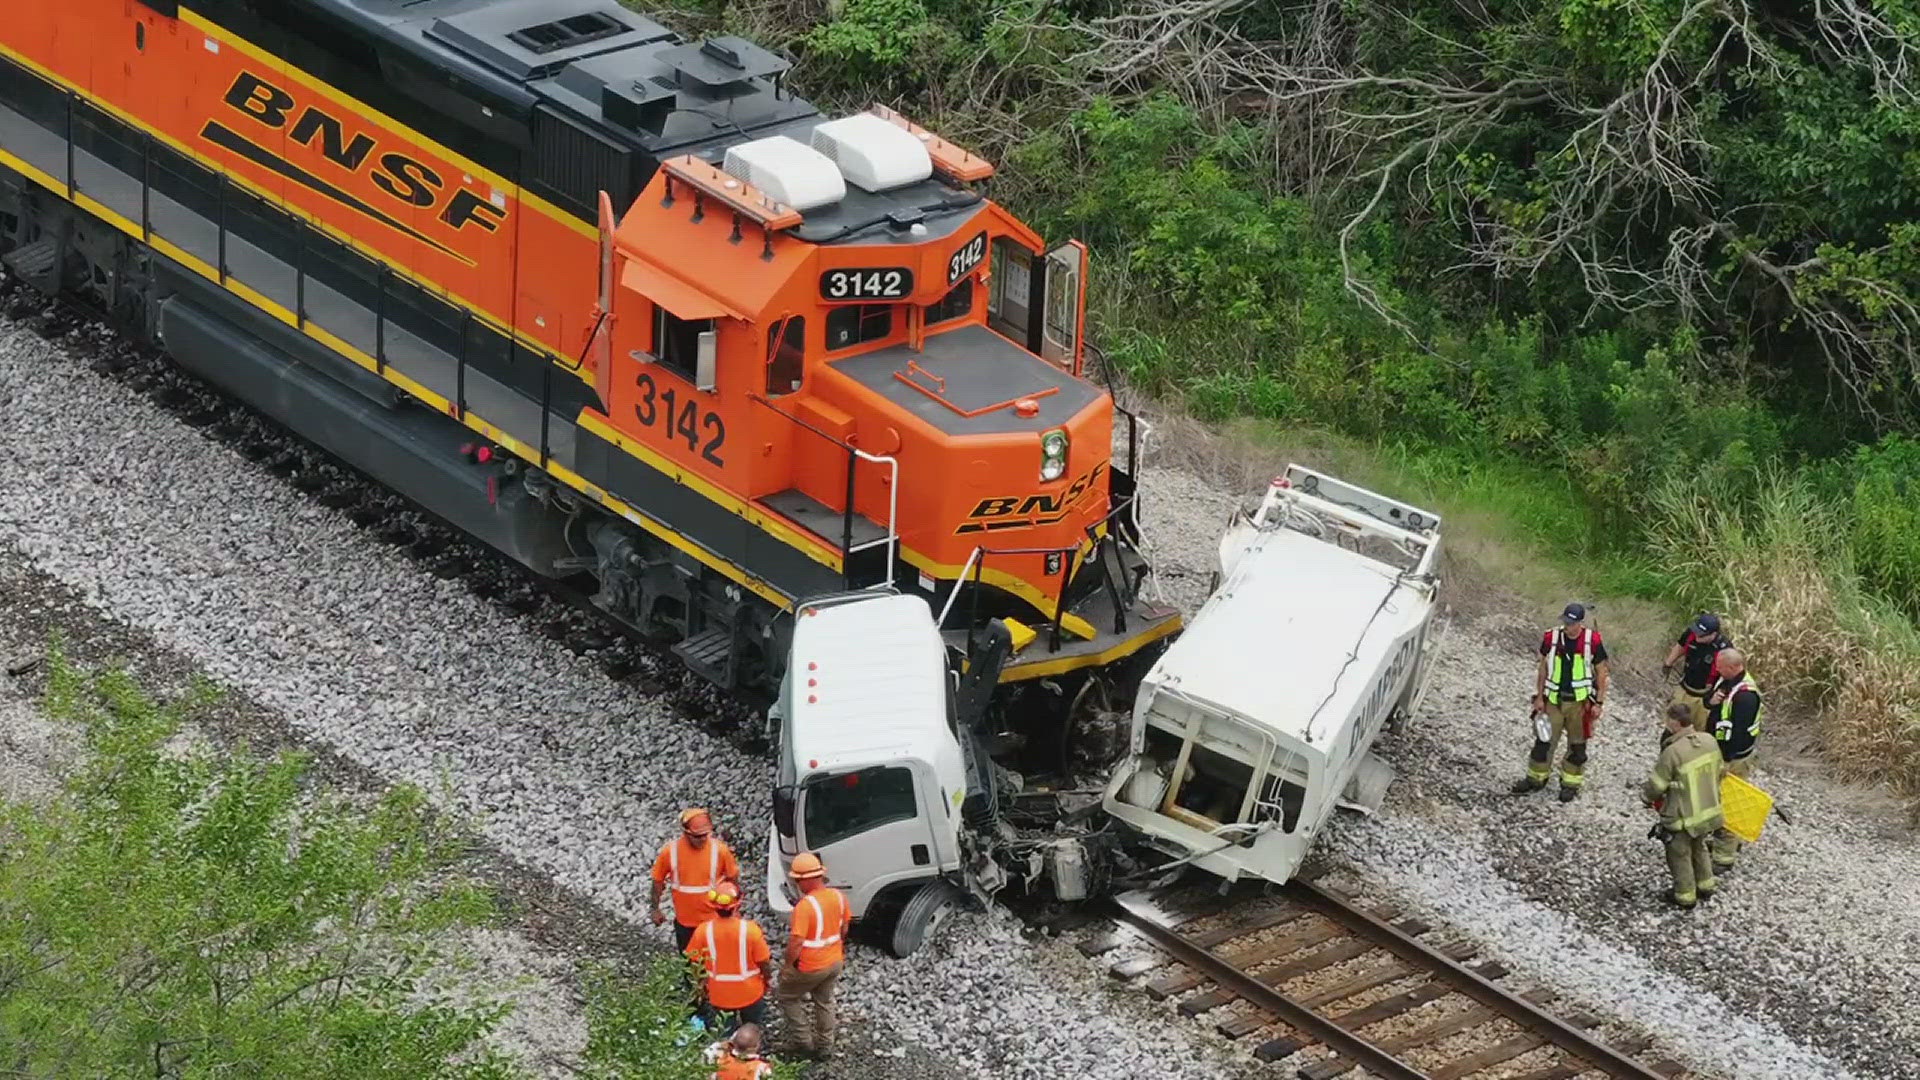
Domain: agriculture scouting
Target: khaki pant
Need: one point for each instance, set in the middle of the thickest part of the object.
(1565, 719)
(806, 1004)
(1690, 865)
(1696, 704)
(1726, 846)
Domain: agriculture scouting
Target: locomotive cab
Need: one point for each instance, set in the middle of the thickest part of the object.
(901, 391)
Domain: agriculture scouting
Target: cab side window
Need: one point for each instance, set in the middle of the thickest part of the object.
(954, 305)
(786, 346)
(676, 341)
(857, 324)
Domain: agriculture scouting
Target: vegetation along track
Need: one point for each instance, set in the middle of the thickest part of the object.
(562, 613)
(1306, 966)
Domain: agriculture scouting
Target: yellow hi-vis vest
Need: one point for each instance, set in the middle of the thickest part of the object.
(1582, 681)
(1723, 712)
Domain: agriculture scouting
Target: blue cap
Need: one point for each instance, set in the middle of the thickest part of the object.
(1574, 613)
(1707, 623)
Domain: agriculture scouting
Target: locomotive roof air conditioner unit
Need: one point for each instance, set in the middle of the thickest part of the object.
(872, 153)
(788, 170)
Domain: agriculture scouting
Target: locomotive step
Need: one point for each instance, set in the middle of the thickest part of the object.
(710, 653)
(38, 263)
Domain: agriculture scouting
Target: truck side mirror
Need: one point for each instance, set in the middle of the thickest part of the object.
(706, 355)
(783, 808)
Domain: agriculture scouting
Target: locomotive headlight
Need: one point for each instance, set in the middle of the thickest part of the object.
(1053, 455)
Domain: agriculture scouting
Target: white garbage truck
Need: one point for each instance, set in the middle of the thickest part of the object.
(1244, 735)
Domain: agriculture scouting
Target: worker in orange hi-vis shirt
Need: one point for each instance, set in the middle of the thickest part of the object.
(692, 864)
(738, 963)
(816, 953)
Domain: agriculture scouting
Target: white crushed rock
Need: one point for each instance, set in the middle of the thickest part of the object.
(420, 681)
(546, 1026)
(33, 750)
(1808, 951)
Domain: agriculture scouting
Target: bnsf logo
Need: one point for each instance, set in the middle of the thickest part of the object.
(1025, 511)
(406, 179)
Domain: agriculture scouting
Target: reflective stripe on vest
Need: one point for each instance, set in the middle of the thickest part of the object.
(713, 867)
(1582, 682)
(713, 956)
(820, 924)
(1723, 713)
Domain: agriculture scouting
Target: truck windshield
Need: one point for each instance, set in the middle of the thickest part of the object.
(847, 804)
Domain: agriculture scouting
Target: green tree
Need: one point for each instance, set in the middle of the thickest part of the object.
(187, 914)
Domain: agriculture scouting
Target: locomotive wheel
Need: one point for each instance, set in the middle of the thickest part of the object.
(921, 918)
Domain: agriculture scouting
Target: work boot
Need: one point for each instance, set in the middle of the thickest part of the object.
(1527, 784)
(1674, 901)
(1567, 794)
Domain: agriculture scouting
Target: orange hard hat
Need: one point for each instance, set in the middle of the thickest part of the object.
(693, 814)
(806, 865)
(723, 896)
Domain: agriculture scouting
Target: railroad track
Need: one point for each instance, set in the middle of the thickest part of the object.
(1307, 968)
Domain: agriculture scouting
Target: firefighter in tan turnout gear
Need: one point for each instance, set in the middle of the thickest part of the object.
(1569, 686)
(1685, 788)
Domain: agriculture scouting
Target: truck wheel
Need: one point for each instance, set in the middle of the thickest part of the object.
(925, 911)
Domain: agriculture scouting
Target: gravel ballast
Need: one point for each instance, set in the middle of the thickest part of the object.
(578, 777)
(417, 680)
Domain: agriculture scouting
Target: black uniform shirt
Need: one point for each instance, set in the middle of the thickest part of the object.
(1736, 734)
(1698, 659)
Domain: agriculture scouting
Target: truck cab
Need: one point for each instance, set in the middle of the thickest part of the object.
(871, 774)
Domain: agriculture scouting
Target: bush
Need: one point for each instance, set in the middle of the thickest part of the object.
(1780, 566)
(184, 914)
(179, 912)
(635, 1030)
(1885, 500)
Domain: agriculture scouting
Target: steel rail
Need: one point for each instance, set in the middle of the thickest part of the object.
(1133, 911)
(1578, 1043)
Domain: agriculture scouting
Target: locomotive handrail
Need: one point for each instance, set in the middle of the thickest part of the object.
(854, 455)
(954, 593)
(893, 505)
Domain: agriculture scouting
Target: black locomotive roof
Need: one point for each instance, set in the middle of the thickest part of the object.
(634, 83)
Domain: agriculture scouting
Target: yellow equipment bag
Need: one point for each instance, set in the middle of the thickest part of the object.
(1746, 807)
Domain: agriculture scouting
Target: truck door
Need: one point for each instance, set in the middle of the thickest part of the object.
(871, 826)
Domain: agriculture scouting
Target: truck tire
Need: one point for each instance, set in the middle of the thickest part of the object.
(922, 916)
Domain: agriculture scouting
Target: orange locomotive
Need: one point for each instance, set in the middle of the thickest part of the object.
(720, 352)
